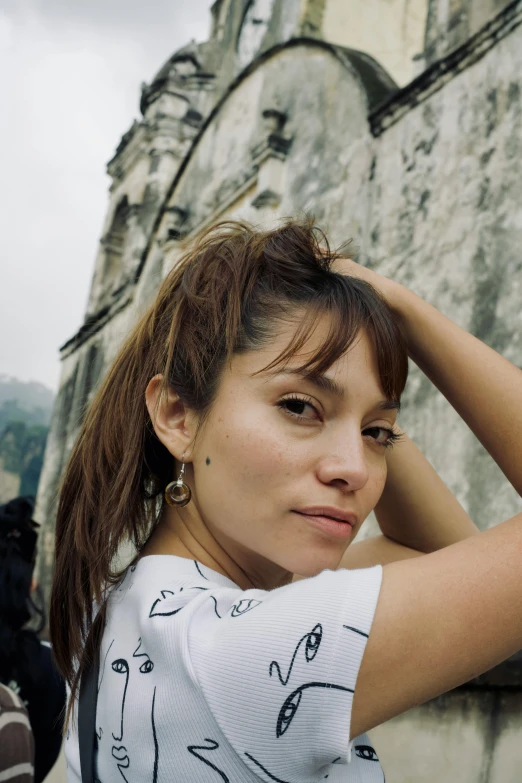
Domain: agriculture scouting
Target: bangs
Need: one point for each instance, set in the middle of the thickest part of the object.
(352, 306)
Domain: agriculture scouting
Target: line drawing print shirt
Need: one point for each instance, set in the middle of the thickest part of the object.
(203, 681)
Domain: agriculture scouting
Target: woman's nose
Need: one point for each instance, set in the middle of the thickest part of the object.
(348, 466)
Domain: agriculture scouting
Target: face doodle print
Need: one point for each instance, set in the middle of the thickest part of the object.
(312, 640)
(198, 750)
(119, 672)
(239, 609)
(365, 752)
(305, 693)
(244, 606)
(308, 646)
(165, 606)
(292, 702)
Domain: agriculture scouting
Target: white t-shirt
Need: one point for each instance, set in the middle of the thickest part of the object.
(202, 681)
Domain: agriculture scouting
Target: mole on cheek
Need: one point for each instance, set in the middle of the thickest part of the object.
(208, 460)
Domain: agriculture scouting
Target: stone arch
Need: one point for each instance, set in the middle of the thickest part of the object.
(361, 84)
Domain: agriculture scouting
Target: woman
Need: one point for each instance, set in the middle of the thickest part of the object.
(241, 437)
(26, 664)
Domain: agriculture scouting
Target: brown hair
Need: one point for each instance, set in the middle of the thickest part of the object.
(225, 296)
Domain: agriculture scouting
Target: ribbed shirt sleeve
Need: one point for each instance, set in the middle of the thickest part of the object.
(279, 669)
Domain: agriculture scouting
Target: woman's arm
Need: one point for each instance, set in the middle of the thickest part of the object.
(378, 550)
(417, 513)
(448, 616)
(416, 508)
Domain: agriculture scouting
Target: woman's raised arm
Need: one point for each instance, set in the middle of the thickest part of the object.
(483, 387)
(446, 617)
(417, 513)
(416, 508)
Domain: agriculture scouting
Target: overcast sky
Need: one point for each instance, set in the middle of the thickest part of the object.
(70, 76)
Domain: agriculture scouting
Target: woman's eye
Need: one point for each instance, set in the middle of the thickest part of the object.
(381, 435)
(298, 408)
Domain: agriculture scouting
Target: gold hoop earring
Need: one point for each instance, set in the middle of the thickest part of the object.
(177, 493)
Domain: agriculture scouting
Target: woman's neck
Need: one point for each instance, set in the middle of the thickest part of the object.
(183, 535)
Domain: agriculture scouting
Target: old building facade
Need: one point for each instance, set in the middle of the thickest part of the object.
(396, 122)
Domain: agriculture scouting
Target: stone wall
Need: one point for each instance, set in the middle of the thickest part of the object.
(83, 367)
(451, 23)
(445, 220)
(466, 736)
(392, 31)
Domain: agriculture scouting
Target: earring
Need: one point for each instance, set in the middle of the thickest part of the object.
(177, 493)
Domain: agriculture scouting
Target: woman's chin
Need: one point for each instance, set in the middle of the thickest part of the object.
(306, 567)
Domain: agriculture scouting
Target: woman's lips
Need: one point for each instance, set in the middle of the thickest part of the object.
(328, 525)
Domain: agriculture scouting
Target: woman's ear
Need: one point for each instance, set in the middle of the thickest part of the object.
(172, 422)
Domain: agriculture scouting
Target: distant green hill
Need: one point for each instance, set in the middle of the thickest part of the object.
(25, 412)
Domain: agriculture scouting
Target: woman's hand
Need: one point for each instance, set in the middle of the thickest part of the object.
(394, 293)
(346, 266)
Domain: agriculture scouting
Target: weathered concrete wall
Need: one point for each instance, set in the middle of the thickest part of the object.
(392, 31)
(445, 220)
(82, 369)
(233, 152)
(433, 201)
(466, 736)
(452, 22)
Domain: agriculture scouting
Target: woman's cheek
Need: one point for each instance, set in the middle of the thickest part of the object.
(376, 482)
(251, 453)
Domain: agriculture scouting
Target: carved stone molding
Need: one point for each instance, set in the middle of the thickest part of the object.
(175, 225)
(269, 156)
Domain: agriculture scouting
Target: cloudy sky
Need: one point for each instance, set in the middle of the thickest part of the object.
(70, 75)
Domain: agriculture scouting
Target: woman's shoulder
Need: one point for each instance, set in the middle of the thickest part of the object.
(161, 589)
(160, 586)
(170, 574)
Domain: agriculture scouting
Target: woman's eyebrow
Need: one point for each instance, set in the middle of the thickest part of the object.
(389, 405)
(324, 383)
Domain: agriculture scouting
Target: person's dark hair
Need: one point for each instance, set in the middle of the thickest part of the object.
(227, 295)
(19, 645)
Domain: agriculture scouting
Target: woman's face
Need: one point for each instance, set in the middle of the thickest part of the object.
(275, 444)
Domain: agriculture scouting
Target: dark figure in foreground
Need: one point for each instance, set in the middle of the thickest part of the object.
(26, 665)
